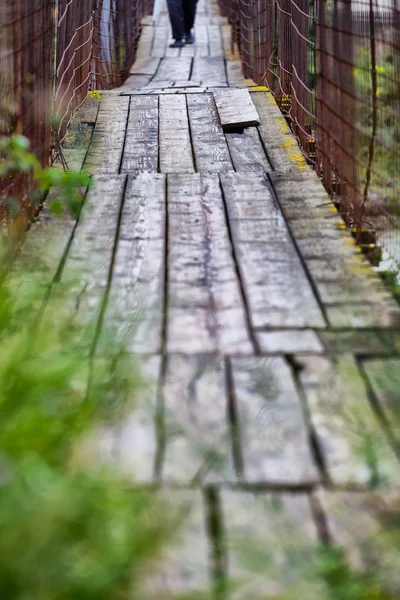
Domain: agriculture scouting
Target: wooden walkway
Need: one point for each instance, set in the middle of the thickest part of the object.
(273, 345)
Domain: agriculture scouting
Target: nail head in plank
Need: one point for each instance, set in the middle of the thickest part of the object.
(263, 532)
(346, 428)
(141, 144)
(209, 143)
(175, 144)
(272, 429)
(206, 311)
(136, 299)
(196, 415)
(235, 108)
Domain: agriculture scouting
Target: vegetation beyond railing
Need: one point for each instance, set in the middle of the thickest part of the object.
(51, 53)
(334, 68)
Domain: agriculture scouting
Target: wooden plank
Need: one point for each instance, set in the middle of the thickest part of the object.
(201, 46)
(175, 145)
(87, 268)
(288, 341)
(274, 300)
(145, 42)
(263, 534)
(209, 144)
(141, 144)
(226, 32)
(360, 342)
(236, 108)
(131, 445)
(364, 525)
(215, 40)
(206, 312)
(384, 376)
(105, 151)
(209, 70)
(135, 82)
(235, 75)
(145, 66)
(196, 421)
(247, 151)
(271, 425)
(354, 447)
(174, 69)
(183, 569)
(352, 294)
(135, 304)
(160, 41)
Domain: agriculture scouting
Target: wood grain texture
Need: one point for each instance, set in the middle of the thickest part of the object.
(135, 305)
(209, 143)
(235, 108)
(272, 429)
(174, 69)
(183, 568)
(210, 71)
(206, 311)
(288, 341)
(384, 376)
(175, 144)
(105, 151)
(198, 448)
(247, 151)
(272, 529)
(141, 144)
(277, 289)
(351, 440)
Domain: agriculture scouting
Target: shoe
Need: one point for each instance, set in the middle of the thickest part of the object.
(177, 44)
(189, 38)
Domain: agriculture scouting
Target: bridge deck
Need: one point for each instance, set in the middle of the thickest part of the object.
(271, 340)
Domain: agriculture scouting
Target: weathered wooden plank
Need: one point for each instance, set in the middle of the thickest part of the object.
(215, 40)
(188, 50)
(105, 151)
(354, 447)
(283, 148)
(145, 42)
(135, 304)
(206, 311)
(135, 82)
(226, 33)
(174, 69)
(141, 145)
(160, 41)
(361, 342)
(271, 425)
(247, 151)
(236, 108)
(384, 376)
(352, 294)
(201, 45)
(364, 525)
(131, 444)
(263, 534)
(288, 341)
(235, 75)
(209, 143)
(274, 300)
(183, 569)
(196, 421)
(209, 70)
(175, 145)
(145, 65)
(86, 272)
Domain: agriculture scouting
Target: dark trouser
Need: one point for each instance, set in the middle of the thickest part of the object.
(182, 14)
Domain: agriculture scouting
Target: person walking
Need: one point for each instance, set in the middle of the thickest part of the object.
(182, 14)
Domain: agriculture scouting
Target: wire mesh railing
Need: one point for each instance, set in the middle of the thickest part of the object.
(334, 69)
(52, 52)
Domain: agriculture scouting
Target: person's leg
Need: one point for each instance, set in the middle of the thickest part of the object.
(189, 12)
(176, 16)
